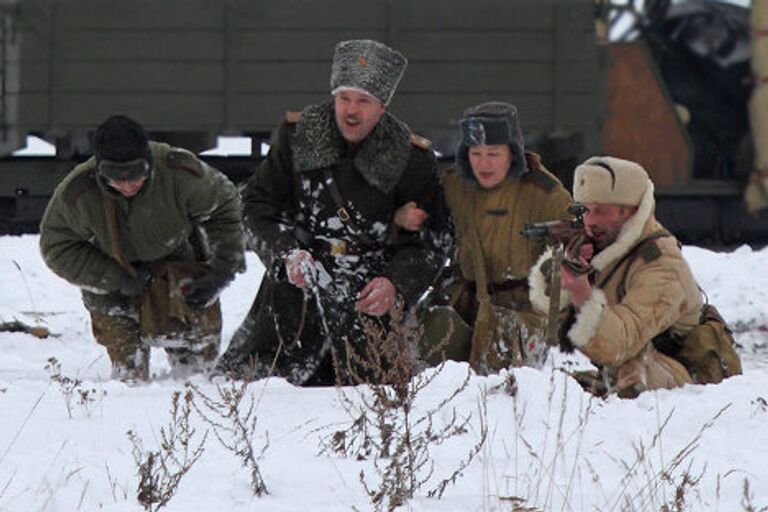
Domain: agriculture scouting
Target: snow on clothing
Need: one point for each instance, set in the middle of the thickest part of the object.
(498, 215)
(615, 327)
(287, 205)
(186, 211)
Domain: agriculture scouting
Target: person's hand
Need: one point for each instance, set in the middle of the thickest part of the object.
(377, 297)
(132, 286)
(410, 217)
(204, 290)
(577, 285)
(586, 251)
(295, 264)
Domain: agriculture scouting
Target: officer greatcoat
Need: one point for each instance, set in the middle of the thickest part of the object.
(288, 205)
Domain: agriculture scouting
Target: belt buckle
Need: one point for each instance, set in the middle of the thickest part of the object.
(338, 248)
(343, 214)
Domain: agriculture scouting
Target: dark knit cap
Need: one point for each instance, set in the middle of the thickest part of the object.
(122, 149)
(491, 124)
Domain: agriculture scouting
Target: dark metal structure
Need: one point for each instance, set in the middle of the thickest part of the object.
(191, 70)
(194, 69)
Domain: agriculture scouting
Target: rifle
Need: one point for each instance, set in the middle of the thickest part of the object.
(563, 236)
(558, 230)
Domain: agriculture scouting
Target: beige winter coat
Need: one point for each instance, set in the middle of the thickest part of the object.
(500, 214)
(506, 330)
(615, 329)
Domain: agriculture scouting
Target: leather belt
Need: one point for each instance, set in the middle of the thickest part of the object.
(338, 247)
(504, 286)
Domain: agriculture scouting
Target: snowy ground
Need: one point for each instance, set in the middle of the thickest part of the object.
(550, 445)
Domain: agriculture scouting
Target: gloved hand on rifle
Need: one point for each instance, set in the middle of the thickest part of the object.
(204, 290)
(132, 286)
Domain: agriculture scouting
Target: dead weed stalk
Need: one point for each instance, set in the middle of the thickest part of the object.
(160, 471)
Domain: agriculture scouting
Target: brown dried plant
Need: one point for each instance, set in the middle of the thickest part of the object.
(232, 415)
(385, 425)
(160, 471)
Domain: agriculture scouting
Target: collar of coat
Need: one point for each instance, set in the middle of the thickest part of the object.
(381, 159)
(630, 233)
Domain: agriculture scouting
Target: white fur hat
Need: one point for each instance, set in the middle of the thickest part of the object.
(605, 179)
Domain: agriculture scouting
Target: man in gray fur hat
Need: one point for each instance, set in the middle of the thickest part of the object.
(318, 213)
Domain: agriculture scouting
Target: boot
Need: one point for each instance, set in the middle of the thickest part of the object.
(132, 368)
(187, 361)
(120, 336)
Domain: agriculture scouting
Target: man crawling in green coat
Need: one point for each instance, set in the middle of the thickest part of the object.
(151, 235)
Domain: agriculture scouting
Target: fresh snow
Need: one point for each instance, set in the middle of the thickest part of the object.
(551, 445)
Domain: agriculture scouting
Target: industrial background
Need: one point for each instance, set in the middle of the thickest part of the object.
(670, 90)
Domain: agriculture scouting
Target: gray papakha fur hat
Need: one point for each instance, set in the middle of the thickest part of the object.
(367, 66)
(490, 124)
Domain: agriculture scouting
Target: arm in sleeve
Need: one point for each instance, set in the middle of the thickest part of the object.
(214, 204)
(613, 334)
(269, 206)
(66, 247)
(416, 257)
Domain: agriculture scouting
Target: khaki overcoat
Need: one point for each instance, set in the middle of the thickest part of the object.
(506, 329)
(633, 300)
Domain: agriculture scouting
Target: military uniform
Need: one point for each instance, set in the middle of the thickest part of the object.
(186, 212)
(642, 287)
(288, 205)
(498, 328)
(497, 216)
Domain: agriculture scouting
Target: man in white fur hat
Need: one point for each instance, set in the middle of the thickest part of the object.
(636, 284)
(318, 213)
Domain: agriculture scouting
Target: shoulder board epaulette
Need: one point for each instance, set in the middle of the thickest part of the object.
(183, 159)
(292, 117)
(420, 142)
(541, 179)
(84, 180)
(650, 251)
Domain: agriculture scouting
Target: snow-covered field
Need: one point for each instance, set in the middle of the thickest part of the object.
(550, 445)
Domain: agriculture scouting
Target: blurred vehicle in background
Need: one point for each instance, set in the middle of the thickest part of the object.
(669, 92)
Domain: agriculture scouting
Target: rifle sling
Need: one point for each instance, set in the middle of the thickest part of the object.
(110, 215)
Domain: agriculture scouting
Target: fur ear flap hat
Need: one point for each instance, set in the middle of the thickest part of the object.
(490, 124)
(367, 66)
(605, 179)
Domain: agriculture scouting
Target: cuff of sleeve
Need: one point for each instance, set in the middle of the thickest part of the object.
(539, 287)
(588, 318)
(406, 298)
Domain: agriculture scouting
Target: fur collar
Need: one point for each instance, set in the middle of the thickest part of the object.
(381, 159)
(630, 233)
